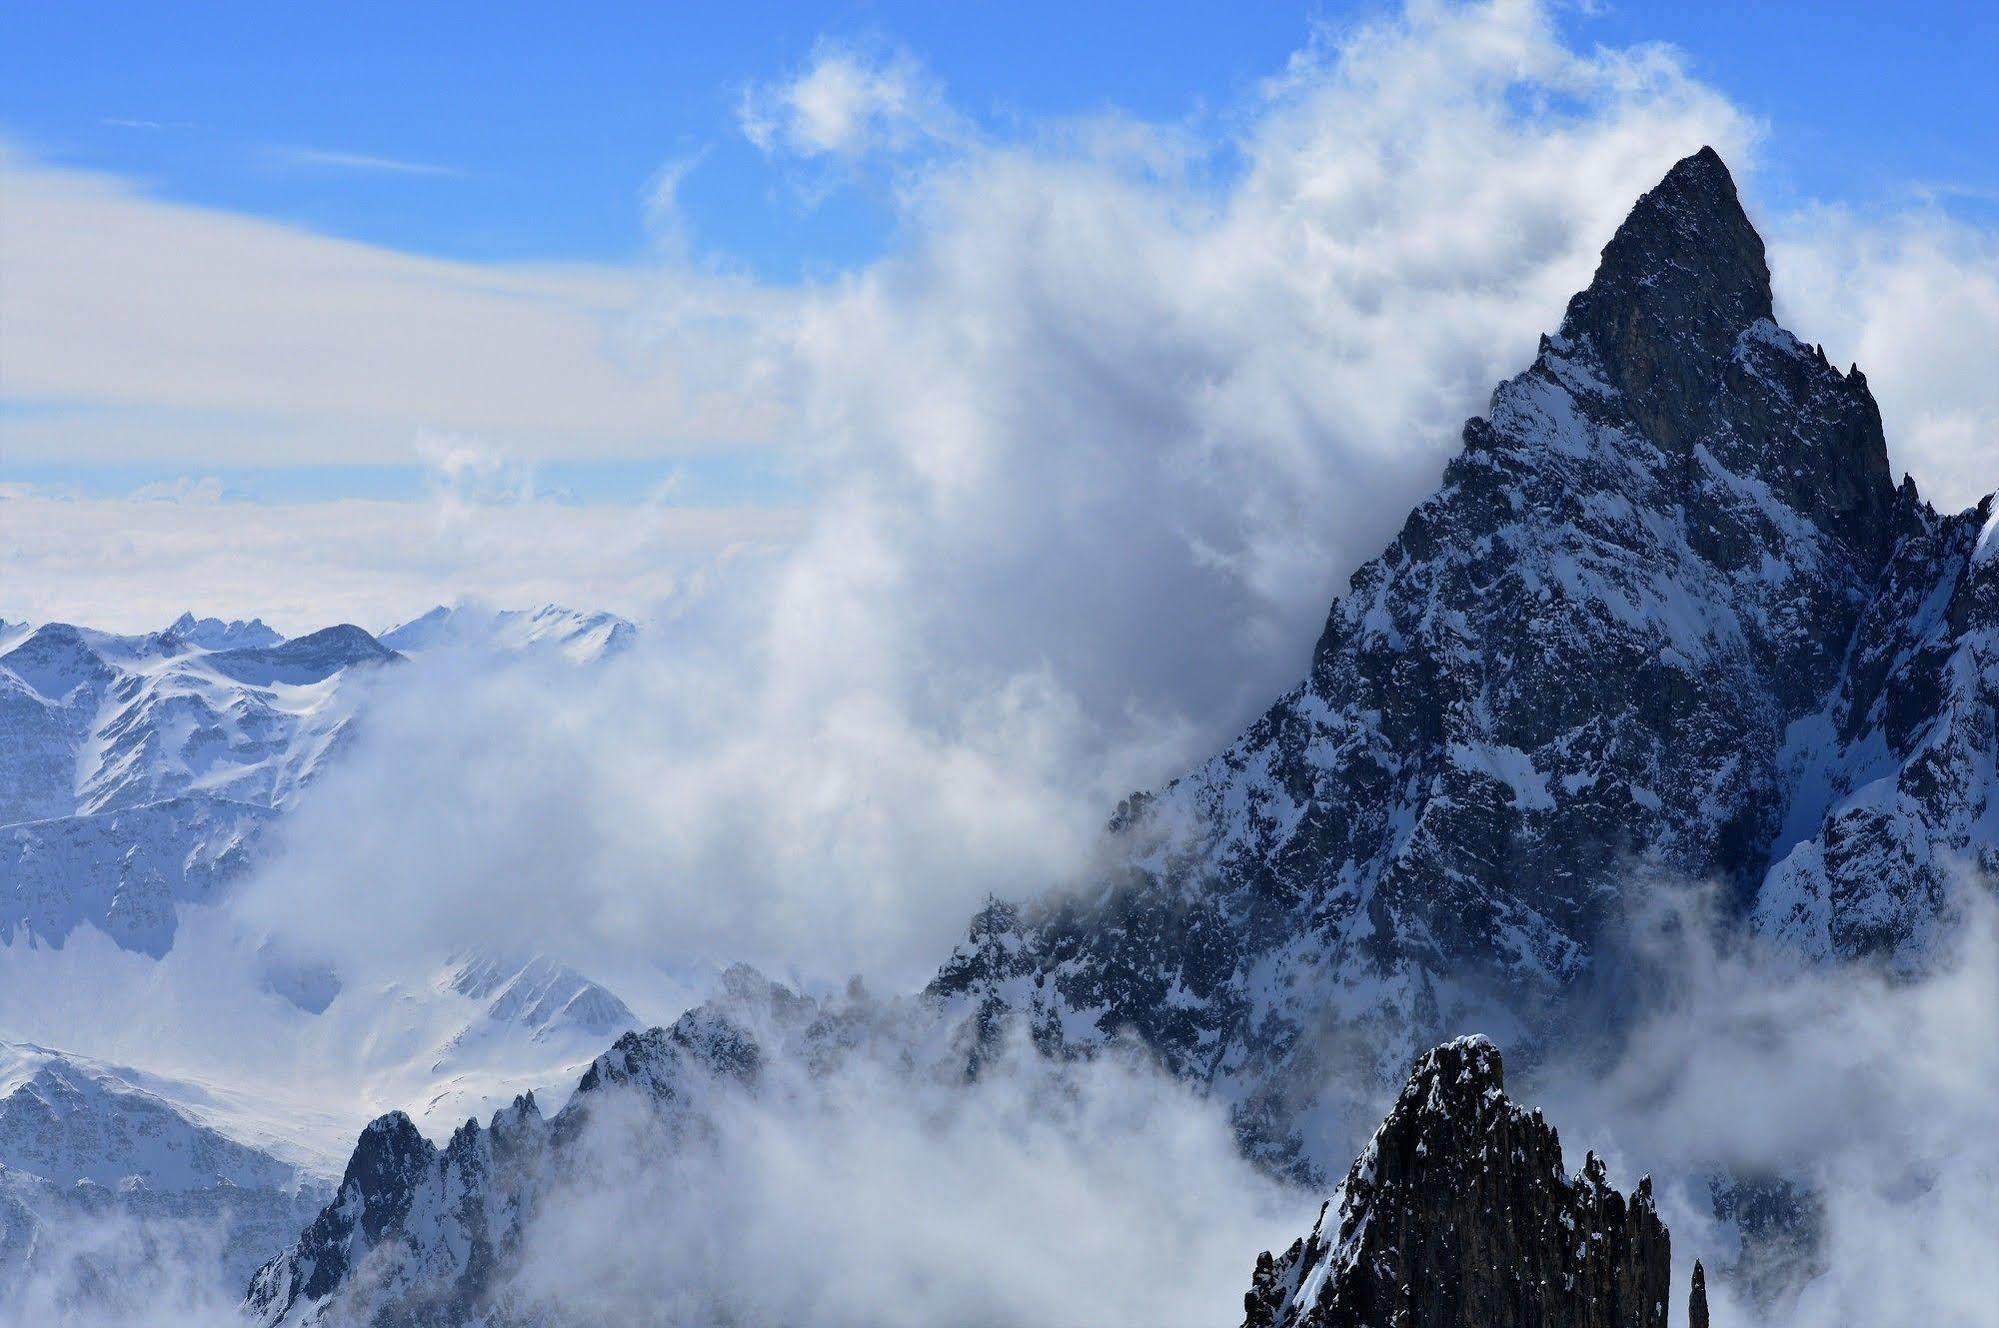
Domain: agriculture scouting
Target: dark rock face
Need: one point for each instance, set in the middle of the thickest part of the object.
(1459, 1215)
(1667, 616)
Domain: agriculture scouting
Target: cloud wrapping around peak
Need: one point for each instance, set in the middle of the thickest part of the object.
(1870, 1092)
(1091, 454)
(1103, 1193)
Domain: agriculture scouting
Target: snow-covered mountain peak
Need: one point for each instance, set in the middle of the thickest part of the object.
(538, 996)
(1677, 326)
(1987, 548)
(303, 659)
(69, 1119)
(579, 635)
(1598, 654)
(215, 634)
(57, 660)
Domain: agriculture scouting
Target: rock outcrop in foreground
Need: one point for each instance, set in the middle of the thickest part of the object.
(1459, 1215)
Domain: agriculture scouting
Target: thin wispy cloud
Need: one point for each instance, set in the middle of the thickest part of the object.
(129, 122)
(145, 328)
(365, 162)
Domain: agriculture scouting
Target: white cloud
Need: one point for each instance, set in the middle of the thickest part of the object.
(1874, 1092)
(143, 330)
(183, 489)
(849, 101)
(364, 162)
(1095, 1194)
(109, 1270)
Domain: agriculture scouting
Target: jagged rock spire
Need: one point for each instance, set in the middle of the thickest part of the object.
(1678, 282)
(1697, 1299)
(1686, 252)
(1679, 319)
(1460, 1214)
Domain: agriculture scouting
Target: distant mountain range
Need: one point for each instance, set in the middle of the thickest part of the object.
(138, 774)
(581, 637)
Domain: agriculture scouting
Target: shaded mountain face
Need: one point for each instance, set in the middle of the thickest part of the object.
(1895, 799)
(215, 634)
(1459, 1214)
(1667, 615)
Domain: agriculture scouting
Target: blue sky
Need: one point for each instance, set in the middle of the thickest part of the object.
(530, 132)
(295, 255)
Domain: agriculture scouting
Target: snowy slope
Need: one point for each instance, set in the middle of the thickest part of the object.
(70, 1120)
(135, 772)
(81, 1141)
(1894, 793)
(125, 872)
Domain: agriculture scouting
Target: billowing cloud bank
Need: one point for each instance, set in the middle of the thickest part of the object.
(1091, 454)
(1870, 1094)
